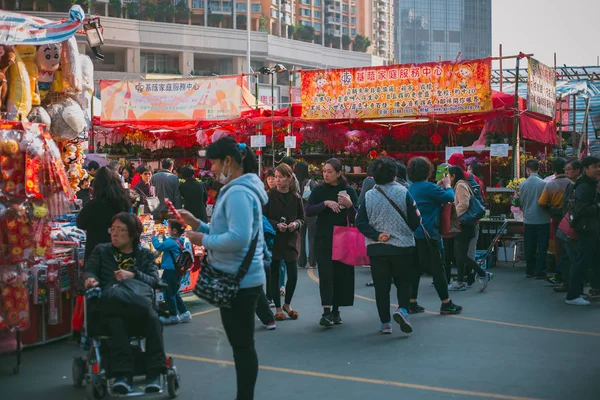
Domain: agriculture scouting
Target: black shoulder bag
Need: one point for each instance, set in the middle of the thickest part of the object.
(220, 288)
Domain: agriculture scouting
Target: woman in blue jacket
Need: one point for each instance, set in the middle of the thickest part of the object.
(171, 248)
(236, 222)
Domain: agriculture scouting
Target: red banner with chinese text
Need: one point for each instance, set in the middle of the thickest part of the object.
(397, 91)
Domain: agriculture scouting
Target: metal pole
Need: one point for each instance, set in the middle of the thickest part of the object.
(272, 115)
(291, 79)
(501, 75)
(573, 136)
(515, 135)
(584, 131)
(258, 126)
(560, 128)
(248, 22)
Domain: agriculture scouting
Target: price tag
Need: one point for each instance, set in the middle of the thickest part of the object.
(453, 150)
(290, 142)
(258, 141)
(499, 150)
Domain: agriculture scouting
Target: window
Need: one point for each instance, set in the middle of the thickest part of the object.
(345, 31)
(274, 13)
(344, 19)
(345, 7)
(454, 36)
(318, 26)
(240, 6)
(306, 23)
(317, 3)
(255, 8)
(353, 9)
(159, 63)
(318, 14)
(353, 32)
(439, 36)
(353, 20)
(305, 12)
(198, 4)
(305, 2)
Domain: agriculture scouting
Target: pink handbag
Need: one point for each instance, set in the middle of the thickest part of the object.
(349, 246)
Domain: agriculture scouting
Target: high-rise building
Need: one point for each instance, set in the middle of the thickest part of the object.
(427, 30)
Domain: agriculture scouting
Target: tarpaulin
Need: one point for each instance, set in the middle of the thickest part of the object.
(25, 29)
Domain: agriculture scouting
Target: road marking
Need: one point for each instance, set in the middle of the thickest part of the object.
(312, 276)
(359, 379)
(205, 312)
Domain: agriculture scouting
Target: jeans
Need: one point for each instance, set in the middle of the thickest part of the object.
(125, 324)
(290, 287)
(282, 269)
(384, 269)
(175, 304)
(537, 238)
(461, 253)
(238, 322)
(430, 261)
(307, 244)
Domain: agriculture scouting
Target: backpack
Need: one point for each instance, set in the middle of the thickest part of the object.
(184, 261)
(476, 189)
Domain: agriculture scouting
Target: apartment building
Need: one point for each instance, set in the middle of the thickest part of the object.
(426, 30)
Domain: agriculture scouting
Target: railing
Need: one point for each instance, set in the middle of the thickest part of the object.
(198, 4)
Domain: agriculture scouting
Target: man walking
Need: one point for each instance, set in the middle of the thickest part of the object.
(167, 187)
(537, 221)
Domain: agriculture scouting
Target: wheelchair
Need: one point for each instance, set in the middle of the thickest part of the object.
(94, 370)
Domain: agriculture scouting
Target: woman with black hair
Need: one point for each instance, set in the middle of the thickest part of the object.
(462, 200)
(307, 242)
(108, 199)
(193, 194)
(110, 263)
(334, 204)
(235, 228)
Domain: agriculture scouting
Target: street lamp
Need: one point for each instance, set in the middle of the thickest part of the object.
(93, 34)
(276, 69)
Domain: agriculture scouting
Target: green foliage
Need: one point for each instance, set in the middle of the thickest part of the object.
(346, 40)
(133, 10)
(303, 33)
(263, 22)
(361, 43)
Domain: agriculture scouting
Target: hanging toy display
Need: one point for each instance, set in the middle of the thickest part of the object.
(73, 158)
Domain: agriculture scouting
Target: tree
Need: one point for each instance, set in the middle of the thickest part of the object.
(263, 22)
(115, 6)
(304, 33)
(182, 11)
(165, 12)
(346, 40)
(149, 11)
(331, 40)
(133, 10)
(361, 43)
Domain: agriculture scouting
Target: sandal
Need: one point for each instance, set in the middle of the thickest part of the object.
(293, 314)
(279, 317)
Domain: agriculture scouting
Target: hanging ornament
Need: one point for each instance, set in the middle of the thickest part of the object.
(435, 139)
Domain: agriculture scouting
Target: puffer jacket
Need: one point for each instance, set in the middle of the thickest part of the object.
(102, 265)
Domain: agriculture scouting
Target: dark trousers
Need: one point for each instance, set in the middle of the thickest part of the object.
(448, 257)
(384, 269)
(175, 304)
(238, 322)
(308, 244)
(563, 268)
(430, 261)
(558, 244)
(122, 327)
(461, 253)
(292, 281)
(336, 282)
(263, 311)
(585, 253)
(537, 238)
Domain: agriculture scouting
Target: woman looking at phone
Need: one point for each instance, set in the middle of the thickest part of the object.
(334, 204)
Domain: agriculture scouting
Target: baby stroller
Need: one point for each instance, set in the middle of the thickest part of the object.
(94, 371)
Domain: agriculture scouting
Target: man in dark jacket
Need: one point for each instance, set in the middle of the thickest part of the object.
(167, 187)
(194, 194)
(586, 221)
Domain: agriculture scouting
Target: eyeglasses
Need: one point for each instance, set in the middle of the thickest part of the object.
(116, 230)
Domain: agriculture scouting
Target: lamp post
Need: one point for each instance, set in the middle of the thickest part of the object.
(93, 34)
(276, 69)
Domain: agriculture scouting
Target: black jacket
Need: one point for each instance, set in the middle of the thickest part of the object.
(194, 196)
(291, 207)
(586, 210)
(102, 266)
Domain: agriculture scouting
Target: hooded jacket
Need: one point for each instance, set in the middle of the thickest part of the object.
(236, 220)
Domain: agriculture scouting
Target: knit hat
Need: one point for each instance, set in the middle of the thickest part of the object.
(457, 160)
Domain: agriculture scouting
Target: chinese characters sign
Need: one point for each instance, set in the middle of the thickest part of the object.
(175, 99)
(397, 91)
(541, 89)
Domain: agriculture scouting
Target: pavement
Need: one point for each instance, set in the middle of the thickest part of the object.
(516, 341)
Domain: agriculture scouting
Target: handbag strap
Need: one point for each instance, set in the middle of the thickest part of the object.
(397, 208)
(248, 259)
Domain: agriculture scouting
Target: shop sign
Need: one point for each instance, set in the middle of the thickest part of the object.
(397, 91)
(210, 98)
(541, 89)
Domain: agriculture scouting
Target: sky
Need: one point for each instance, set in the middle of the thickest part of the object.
(570, 28)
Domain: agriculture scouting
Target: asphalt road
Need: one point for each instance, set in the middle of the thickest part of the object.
(518, 340)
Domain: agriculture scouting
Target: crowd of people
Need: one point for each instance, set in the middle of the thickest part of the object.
(287, 222)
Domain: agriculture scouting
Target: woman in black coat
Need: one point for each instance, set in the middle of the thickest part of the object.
(285, 212)
(143, 188)
(194, 194)
(108, 199)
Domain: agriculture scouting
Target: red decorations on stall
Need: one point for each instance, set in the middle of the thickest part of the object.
(435, 139)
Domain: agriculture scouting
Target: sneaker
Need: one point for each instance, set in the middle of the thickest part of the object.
(401, 317)
(450, 308)
(170, 320)
(271, 326)
(152, 384)
(185, 317)
(562, 288)
(457, 286)
(553, 281)
(271, 304)
(578, 302)
(337, 318)
(471, 279)
(122, 385)
(386, 328)
(484, 281)
(370, 284)
(415, 308)
(326, 320)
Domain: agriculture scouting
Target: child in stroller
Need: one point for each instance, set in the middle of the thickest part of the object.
(120, 278)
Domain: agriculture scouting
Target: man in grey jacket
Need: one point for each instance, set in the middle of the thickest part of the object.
(167, 187)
